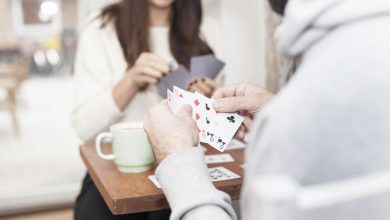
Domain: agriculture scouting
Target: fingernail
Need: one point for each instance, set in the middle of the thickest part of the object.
(241, 134)
(217, 104)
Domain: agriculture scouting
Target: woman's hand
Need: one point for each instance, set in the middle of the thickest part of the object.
(148, 69)
(204, 86)
(247, 99)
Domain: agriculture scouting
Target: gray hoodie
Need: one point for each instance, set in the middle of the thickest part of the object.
(331, 121)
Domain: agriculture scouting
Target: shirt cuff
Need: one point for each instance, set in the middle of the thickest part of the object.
(186, 183)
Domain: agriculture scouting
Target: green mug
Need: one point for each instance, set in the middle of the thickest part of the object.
(131, 150)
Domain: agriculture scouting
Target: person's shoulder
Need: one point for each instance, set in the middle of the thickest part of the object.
(94, 25)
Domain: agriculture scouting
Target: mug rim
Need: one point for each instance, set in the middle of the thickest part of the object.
(126, 125)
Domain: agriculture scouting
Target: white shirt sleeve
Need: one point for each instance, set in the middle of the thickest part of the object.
(95, 107)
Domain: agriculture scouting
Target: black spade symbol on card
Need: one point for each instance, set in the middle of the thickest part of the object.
(231, 119)
(207, 107)
(207, 121)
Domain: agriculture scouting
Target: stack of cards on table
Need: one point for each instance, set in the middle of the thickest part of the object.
(215, 128)
(200, 66)
(216, 174)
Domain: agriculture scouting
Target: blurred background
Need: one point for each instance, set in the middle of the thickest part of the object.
(41, 169)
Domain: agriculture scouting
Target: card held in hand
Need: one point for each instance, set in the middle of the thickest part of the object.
(205, 66)
(216, 129)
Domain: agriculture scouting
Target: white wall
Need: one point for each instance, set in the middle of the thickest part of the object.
(243, 26)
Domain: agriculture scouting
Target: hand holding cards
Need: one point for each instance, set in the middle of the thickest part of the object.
(215, 128)
(200, 66)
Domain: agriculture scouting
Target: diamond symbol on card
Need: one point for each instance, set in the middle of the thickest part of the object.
(197, 116)
(196, 102)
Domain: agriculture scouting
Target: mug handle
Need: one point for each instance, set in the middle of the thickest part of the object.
(99, 139)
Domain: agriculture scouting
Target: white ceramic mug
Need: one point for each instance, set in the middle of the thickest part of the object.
(131, 150)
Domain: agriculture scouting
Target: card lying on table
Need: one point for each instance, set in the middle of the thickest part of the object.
(219, 158)
(216, 174)
(215, 128)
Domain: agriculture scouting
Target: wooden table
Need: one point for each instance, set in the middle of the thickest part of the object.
(131, 193)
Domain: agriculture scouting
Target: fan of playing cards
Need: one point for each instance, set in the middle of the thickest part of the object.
(215, 128)
(200, 66)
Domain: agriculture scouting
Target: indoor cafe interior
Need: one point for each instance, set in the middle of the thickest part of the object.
(77, 142)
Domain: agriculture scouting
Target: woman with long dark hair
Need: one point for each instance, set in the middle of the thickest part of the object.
(123, 52)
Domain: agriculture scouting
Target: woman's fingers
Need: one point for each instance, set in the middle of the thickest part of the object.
(148, 79)
(204, 86)
(195, 88)
(153, 61)
(149, 71)
(209, 82)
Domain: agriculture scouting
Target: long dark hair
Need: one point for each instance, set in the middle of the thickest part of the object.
(131, 19)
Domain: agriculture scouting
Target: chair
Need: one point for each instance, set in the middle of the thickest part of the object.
(281, 198)
(11, 77)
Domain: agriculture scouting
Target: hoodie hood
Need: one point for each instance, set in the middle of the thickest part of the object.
(307, 21)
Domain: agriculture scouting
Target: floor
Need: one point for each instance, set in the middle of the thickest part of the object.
(46, 153)
(63, 214)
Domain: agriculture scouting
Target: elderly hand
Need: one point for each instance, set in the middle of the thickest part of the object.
(168, 133)
(245, 98)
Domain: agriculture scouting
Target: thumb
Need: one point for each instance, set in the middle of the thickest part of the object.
(234, 104)
(184, 111)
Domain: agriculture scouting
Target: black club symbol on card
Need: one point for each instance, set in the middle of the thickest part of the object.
(231, 119)
(221, 142)
(207, 107)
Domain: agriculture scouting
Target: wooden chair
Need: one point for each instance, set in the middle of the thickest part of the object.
(281, 198)
(11, 77)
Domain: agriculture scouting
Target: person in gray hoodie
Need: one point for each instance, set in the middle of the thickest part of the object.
(330, 122)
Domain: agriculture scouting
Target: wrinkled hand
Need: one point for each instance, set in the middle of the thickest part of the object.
(204, 86)
(168, 133)
(246, 98)
(148, 69)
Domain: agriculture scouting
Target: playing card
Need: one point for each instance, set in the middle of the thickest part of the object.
(178, 77)
(216, 174)
(216, 129)
(227, 126)
(207, 121)
(154, 181)
(219, 158)
(182, 97)
(221, 173)
(219, 127)
(162, 88)
(172, 101)
(205, 66)
(187, 98)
